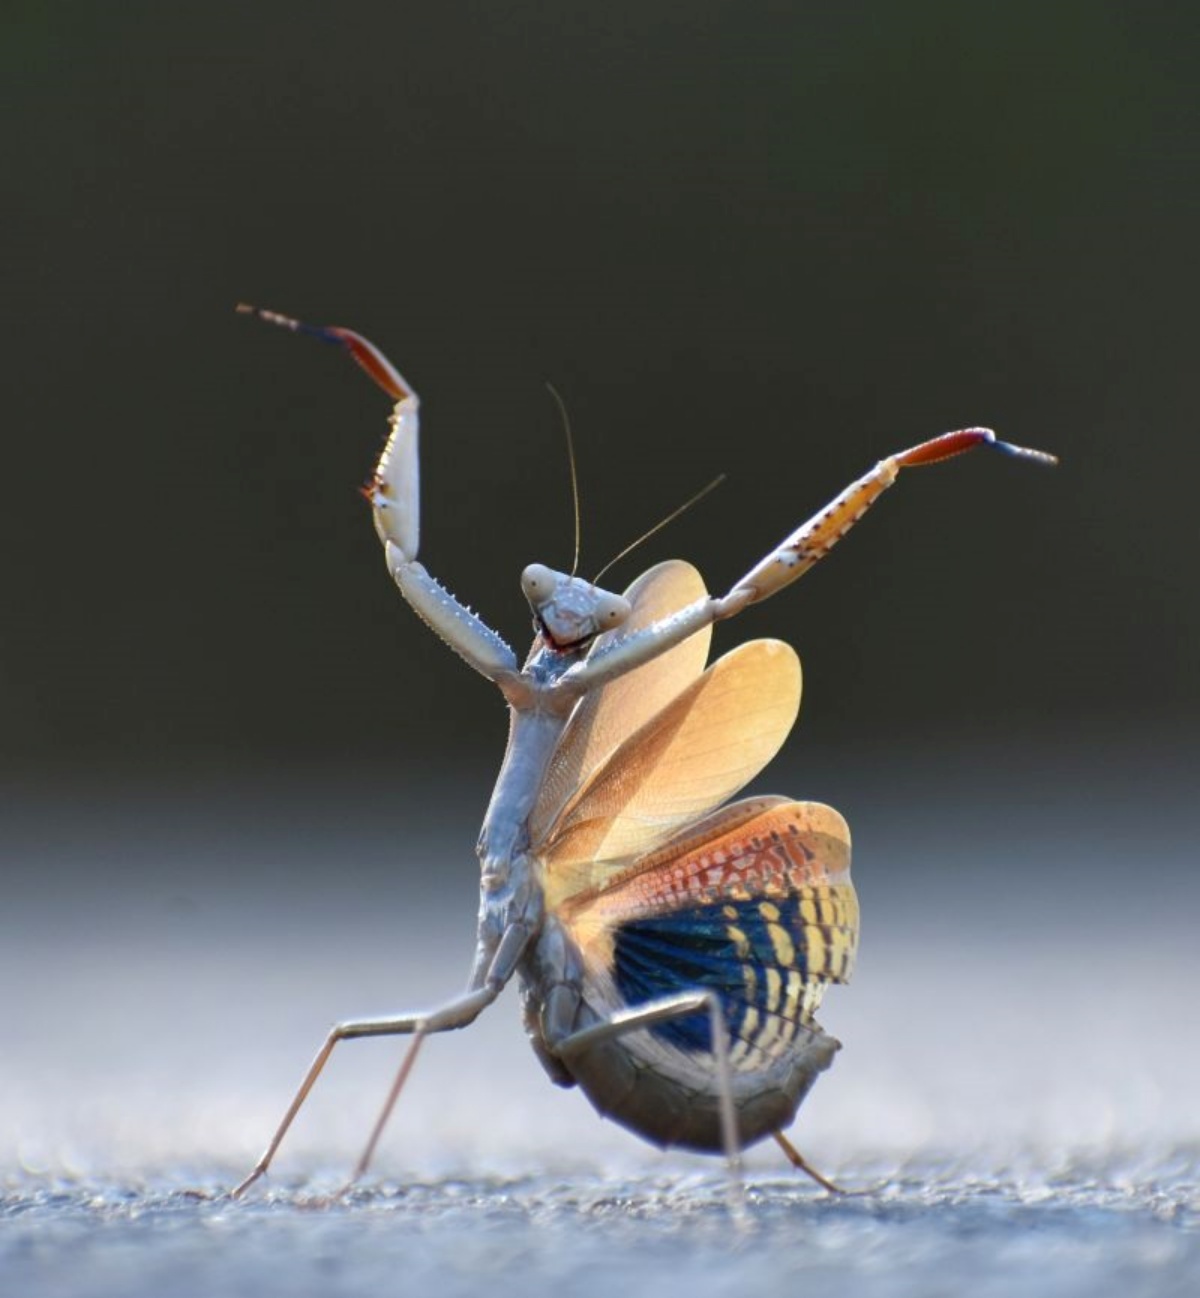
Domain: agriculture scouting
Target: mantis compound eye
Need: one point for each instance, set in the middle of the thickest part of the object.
(537, 583)
(611, 610)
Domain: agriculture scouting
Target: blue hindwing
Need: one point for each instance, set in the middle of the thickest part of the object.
(748, 951)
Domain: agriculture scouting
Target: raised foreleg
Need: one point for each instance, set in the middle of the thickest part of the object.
(793, 557)
(813, 540)
(394, 496)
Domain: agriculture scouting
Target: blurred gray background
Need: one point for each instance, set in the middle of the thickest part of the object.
(240, 782)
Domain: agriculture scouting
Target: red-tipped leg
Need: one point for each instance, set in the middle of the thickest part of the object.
(365, 353)
(965, 439)
(813, 541)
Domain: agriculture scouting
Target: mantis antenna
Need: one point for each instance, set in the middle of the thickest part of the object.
(658, 527)
(566, 422)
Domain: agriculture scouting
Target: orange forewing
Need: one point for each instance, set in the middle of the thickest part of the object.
(686, 760)
(608, 715)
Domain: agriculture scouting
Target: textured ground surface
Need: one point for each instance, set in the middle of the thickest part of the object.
(1017, 1088)
(930, 1233)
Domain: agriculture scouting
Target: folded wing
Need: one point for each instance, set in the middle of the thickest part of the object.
(609, 714)
(688, 758)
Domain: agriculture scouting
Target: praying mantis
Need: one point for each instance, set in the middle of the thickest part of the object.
(672, 948)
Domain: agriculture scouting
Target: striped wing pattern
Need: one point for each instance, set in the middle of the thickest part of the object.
(662, 888)
(756, 903)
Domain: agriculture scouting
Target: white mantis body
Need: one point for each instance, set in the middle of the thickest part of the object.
(671, 950)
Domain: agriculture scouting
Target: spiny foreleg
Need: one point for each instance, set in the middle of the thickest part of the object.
(394, 495)
(813, 540)
(793, 557)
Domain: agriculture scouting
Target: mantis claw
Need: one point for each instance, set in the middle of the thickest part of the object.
(394, 491)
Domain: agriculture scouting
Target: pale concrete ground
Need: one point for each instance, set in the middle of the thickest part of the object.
(1021, 1053)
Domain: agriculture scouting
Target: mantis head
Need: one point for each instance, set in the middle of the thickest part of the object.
(569, 611)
